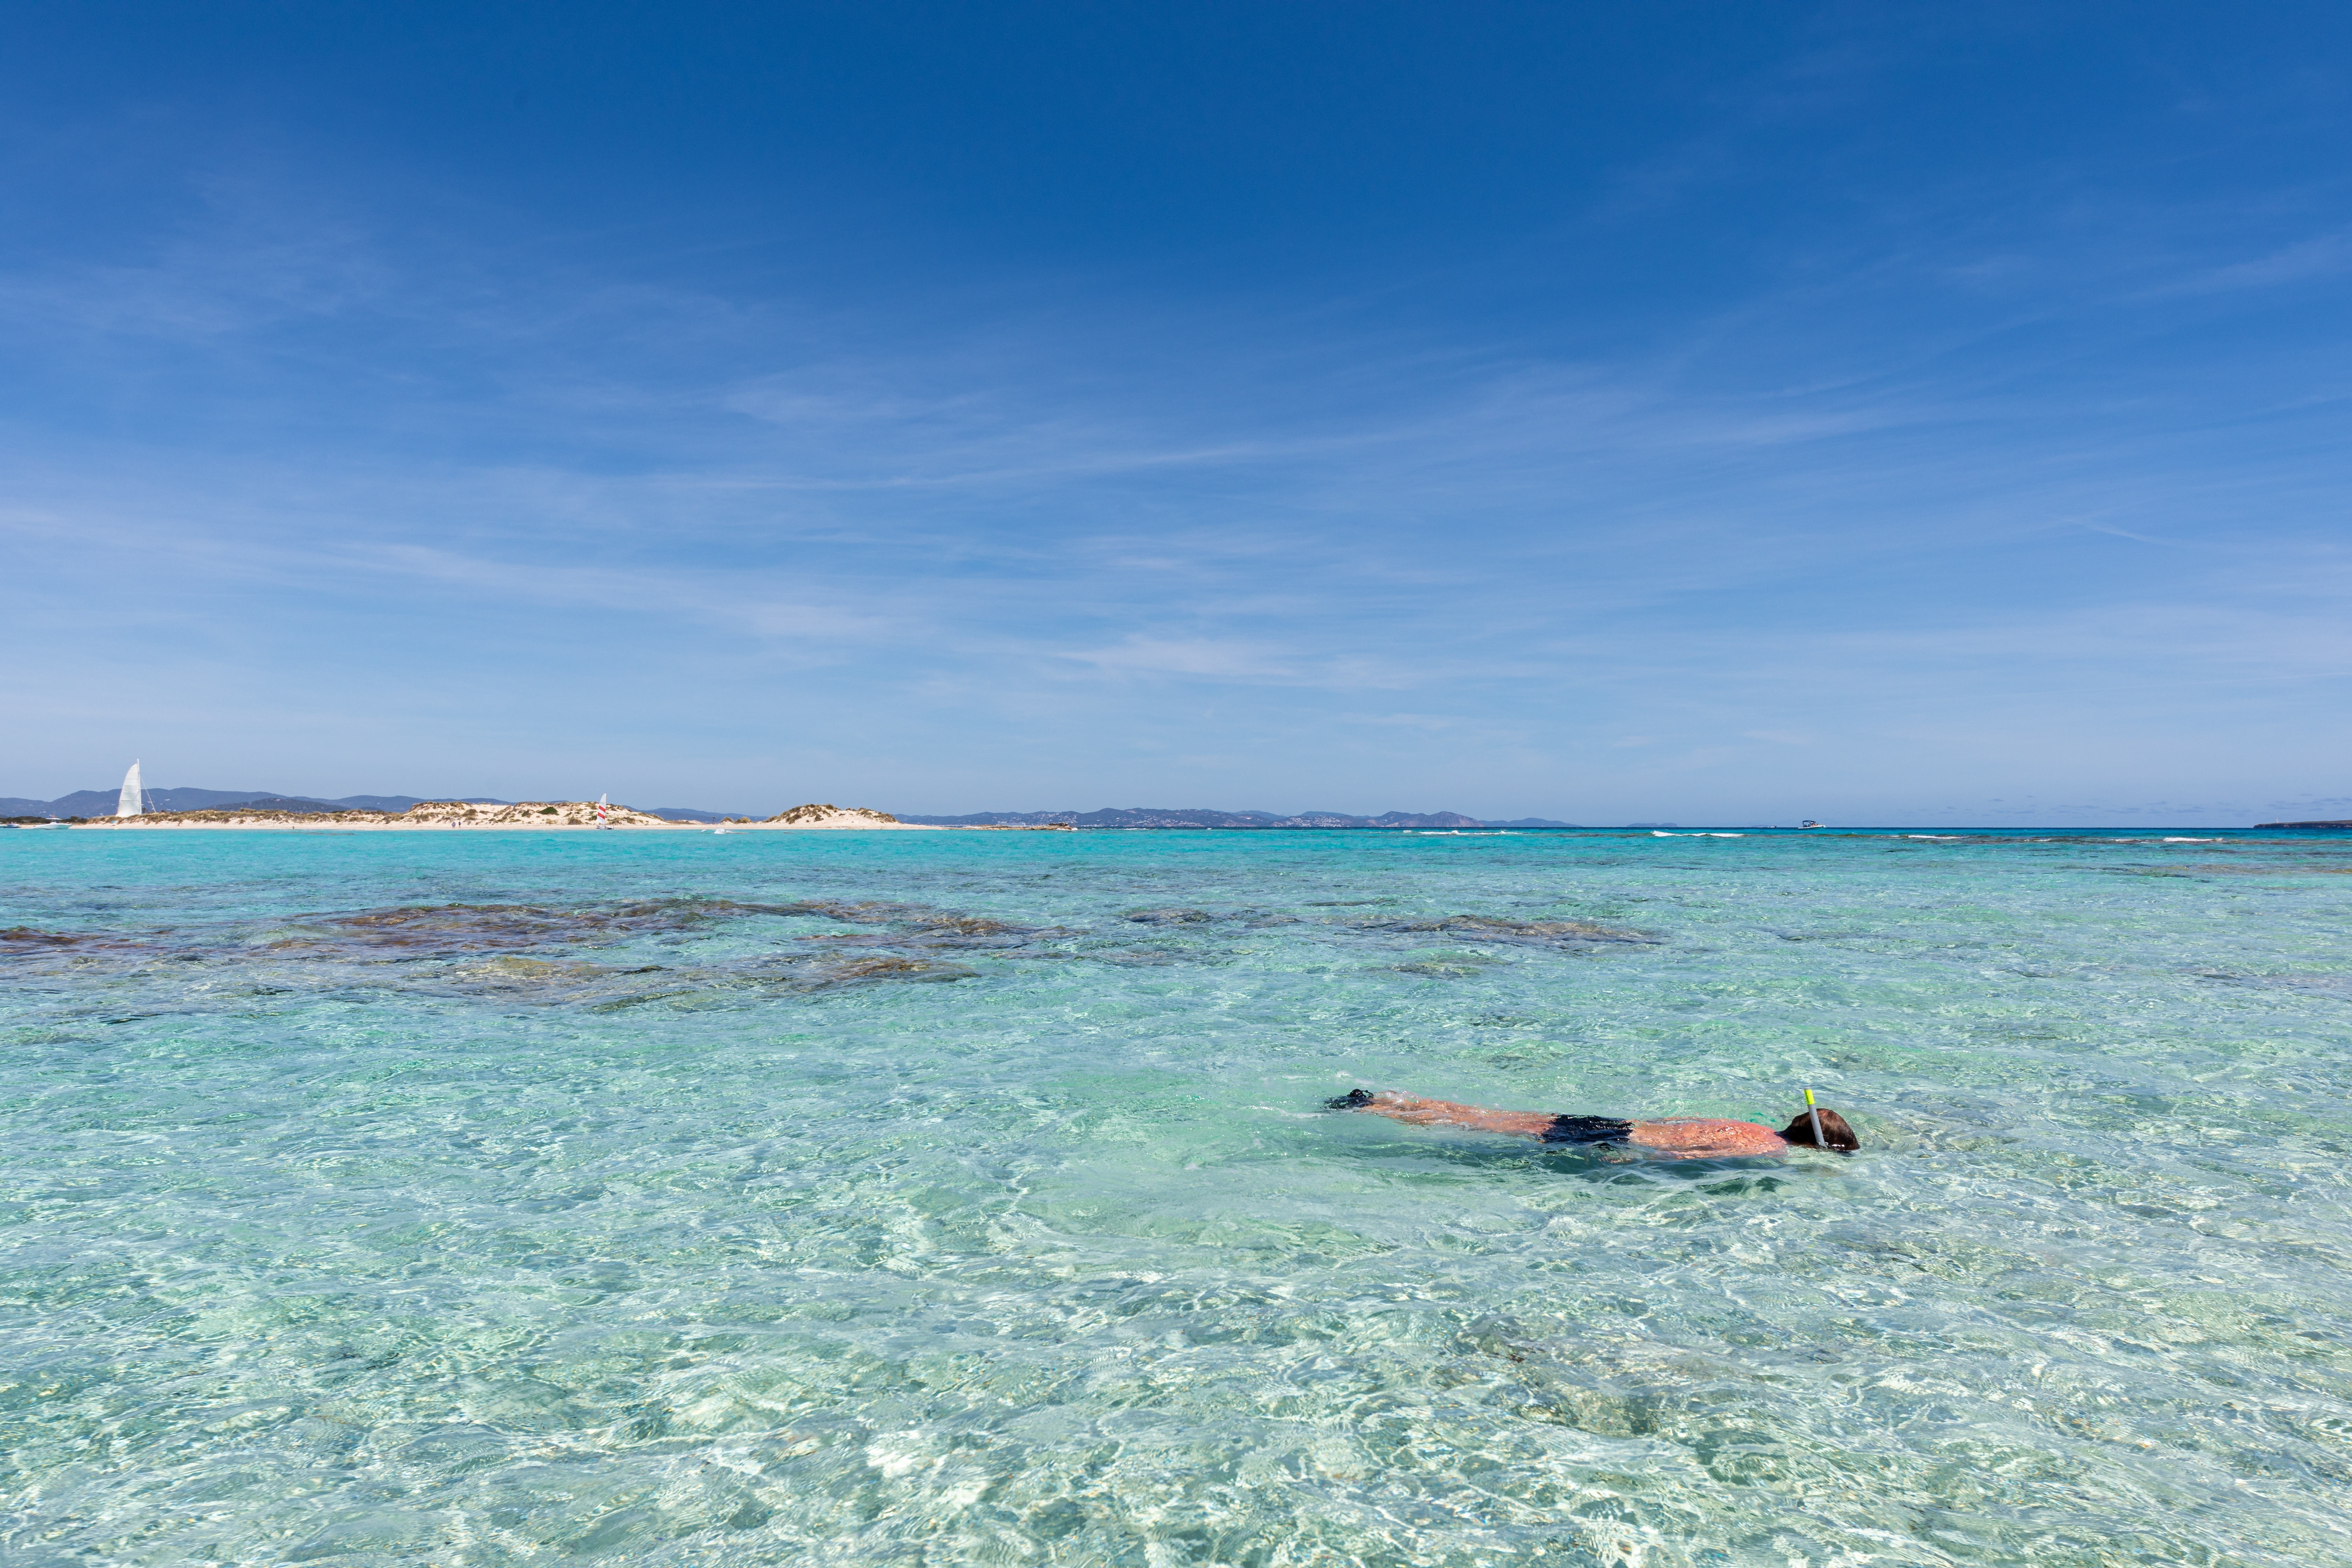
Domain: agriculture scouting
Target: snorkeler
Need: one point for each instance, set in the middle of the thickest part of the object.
(1688, 1137)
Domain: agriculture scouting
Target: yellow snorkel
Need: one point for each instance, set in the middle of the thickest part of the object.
(1815, 1113)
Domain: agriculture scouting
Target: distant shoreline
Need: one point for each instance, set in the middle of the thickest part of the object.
(875, 822)
(478, 816)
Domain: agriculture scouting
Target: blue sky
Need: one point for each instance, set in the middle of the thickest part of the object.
(1716, 414)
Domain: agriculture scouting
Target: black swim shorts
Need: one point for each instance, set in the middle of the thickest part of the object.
(1586, 1129)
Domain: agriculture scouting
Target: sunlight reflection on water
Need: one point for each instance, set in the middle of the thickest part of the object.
(963, 1198)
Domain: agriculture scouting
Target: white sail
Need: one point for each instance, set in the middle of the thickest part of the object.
(133, 799)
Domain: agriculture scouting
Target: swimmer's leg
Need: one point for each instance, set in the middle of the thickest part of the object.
(1398, 1106)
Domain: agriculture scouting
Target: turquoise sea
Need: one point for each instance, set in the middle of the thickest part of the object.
(963, 1198)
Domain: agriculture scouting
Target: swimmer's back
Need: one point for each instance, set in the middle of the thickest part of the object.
(1705, 1135)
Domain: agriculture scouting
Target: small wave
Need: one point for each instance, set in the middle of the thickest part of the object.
(1938, 837)
(1654, 833)
(2193, 841)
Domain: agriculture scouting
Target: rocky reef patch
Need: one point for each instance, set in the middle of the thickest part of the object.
(1520, 933)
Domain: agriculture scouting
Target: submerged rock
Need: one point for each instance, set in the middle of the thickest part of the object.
(1492, 928)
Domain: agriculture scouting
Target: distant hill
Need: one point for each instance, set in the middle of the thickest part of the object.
(1171, 816)
(2304, 824)
(103, 802)
(403, 802)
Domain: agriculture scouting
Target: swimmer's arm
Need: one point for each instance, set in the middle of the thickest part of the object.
(1706, 1138)
(1398, 1106)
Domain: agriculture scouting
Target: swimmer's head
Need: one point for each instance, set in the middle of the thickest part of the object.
(1835, 1134)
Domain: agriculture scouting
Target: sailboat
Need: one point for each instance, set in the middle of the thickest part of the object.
(135, 799)
(604, 804)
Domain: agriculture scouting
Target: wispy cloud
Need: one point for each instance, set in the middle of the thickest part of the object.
(1864, 498)
(2321, 256)
(1243, 663)
(244, 260)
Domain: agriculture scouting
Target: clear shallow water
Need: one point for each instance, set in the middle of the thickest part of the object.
(907, 1198)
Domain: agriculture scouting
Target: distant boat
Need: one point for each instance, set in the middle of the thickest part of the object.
(135, 799)
(1808, 822)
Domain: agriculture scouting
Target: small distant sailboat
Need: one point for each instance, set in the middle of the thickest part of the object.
(133, 800)
(604, 806)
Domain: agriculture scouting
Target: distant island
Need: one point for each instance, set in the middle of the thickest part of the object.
(304, 814)
(300, 814)
(220, 807)
(1189, 816)
(2260, 825)
(578, 816)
